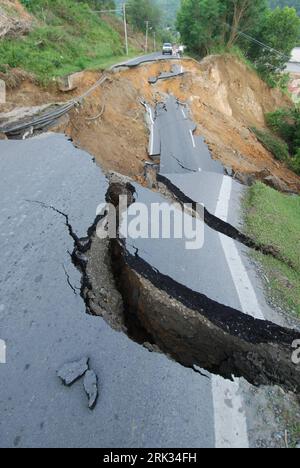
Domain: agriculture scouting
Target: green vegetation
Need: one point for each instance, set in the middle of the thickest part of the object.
(273, 144)
(208, 24)
(295, 435)
(140, 11)
(280, 30)
(285, 123)
(283, 3)
(283, 138)
(68, 37)
(273, 218)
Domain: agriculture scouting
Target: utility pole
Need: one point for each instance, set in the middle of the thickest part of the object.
(154, 41)
(125, 29)
(147, 33)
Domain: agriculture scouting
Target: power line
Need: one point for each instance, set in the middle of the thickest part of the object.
(265, 46)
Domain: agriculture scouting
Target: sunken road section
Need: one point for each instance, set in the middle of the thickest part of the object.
(194, 330)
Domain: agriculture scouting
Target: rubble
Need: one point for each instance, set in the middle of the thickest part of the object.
(90, 384)
(73, 371)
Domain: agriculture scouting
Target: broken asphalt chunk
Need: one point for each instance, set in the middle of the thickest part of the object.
(91, 387)
(73, 371)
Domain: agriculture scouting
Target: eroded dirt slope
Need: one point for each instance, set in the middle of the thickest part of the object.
(226, 99)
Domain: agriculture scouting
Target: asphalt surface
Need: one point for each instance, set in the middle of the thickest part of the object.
(221, 269)
(192, 268)
(181, 150)
(156, 56)
(176, 71)
(145, 399)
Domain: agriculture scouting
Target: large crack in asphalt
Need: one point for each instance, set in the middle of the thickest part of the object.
(167, 317)
(82, 246)
(221, 226)
(211, 220)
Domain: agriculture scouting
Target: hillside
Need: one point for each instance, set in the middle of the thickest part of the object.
(54, 37)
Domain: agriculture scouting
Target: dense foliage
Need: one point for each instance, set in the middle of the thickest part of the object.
(286, 124)
(204, 24)
(266, 36)
(279, 30)
(283, 138)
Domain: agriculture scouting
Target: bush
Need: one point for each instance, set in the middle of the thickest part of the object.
(273, 144)
(286, 124)
(294, 163)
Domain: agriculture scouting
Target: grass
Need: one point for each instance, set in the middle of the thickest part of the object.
(279, 148)
(273, 218)
(68, 37)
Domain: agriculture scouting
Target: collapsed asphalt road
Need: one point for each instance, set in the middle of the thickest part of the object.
(51, 194)
(145, 400)
(154, 57)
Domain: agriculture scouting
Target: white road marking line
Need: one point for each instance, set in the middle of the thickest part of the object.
(230, 419)
(151, 117)
(2, 352)
(193, 139)
(151, 140)
(183, 113)
(238, 271)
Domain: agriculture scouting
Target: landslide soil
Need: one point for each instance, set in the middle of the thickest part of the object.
(225, 96)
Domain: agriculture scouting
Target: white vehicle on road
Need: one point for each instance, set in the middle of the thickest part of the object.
(167, 49)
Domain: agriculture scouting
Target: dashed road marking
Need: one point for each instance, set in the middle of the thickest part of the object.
(193, 139)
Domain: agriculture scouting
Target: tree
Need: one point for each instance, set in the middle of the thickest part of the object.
(242, 15)
(204, 24)
(279, 30)
(141, 11)
(199, 23)
(283, 3)
(286, 124)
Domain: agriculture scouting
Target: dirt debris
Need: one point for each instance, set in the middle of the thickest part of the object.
(226, 99)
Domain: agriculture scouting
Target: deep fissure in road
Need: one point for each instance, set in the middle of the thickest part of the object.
(165, 316)
(221, 226)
